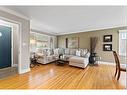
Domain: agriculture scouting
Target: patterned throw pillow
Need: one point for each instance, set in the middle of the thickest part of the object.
(48, 52)
(78, 53)
(61, 51)
(87, 55)
(56, 51)
(44, 52)
(84, 52)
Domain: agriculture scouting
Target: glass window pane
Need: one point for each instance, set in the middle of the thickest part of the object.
(123, 43)
(41, 41)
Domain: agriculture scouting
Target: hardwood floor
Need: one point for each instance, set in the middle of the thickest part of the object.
(51, 76)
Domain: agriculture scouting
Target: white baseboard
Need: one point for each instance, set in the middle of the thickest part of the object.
(110, 63)
(24, 71)
(14, 65)
(107, 63)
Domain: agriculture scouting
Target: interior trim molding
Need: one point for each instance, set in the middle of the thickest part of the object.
(107, 63)
(13, 12)
(33, 30)
(14, 65)
(110, 63)
(24, 71)
(91, 30)
(19, 36)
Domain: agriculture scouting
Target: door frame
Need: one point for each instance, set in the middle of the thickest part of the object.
(11, 36)
(7, 25)
(19, 41)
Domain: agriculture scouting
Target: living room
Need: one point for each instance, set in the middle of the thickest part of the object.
(68, 47)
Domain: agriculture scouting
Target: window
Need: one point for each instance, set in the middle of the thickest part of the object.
(41, 41)
(123, 42)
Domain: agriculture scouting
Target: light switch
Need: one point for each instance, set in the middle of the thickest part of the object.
(24, 44)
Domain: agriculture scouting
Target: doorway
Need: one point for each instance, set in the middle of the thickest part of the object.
(9, 45)
(5, 47)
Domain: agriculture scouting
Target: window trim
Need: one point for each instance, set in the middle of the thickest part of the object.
(122, 31)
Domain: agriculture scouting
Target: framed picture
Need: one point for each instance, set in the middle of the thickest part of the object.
(107, 47)
(66, 42)
(73, 42)
(107, 38)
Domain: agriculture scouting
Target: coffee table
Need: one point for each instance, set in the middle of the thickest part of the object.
(61, 61)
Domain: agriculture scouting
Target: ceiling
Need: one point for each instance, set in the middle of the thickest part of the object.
(72, 19)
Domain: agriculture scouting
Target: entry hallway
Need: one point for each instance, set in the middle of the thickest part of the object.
(51, 76)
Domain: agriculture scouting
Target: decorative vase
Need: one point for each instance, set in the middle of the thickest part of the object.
(92, 58)
(93, 43)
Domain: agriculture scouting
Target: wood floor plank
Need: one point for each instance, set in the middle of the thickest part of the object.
(51, 76)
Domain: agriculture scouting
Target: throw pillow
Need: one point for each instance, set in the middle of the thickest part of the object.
(78, 53)
(48, 52)
(56, 51)
(87, 55)
(84, 52)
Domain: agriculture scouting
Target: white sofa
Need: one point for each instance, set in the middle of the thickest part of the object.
(76, 57)
(43, 59)
(45, 56)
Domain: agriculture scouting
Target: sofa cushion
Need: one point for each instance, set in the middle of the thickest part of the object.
(68, 56)
(78, 53)
(61, 51)
(55, 57)
(56, 51)
(48, 52)
(51, 52)
(87, 55)
(67, 51)
(78, 64)
(38, 50)
(73, 51)
(77, 59)
(50, 58)
(84, 52)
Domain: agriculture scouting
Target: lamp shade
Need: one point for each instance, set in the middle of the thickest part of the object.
(32, 41)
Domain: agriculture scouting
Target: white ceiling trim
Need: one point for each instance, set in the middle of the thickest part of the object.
(33, 30)
(64, 33)
(123, 31)
(13, 12)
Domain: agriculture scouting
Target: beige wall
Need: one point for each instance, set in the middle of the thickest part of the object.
(84, 41)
